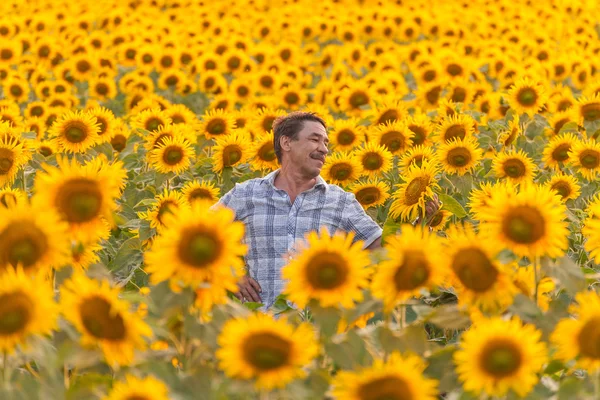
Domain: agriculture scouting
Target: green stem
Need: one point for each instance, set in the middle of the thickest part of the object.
(5, 371)
(536, 264)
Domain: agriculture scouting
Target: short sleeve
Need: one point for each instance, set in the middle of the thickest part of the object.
(356, 220)
(229, 200)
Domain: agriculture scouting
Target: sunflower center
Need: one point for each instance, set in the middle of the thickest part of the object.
(341, 171)
(267, 123)
(231, 155)
(6, 161)
(216, 126)
(563, 188)
(413, 272)
(45, 151)
(79, 200)
(172, 155)
(589, 159)
(15, 312)
(266, 351)
(266, 81)
(368, 195)
(433, 95)
(415, 189)
(561, 152)
(102, 89)
(514, 168)
(372, 161)
(267, 152)
(358, 99)
(524, 225)
(103, 125)
(589, 339)
(292, 98)
(153, 123)
(101, 320)
(454, 69)
(474, 269)
(200, 193)
(76, 132)
(22, 243)
(118, 142)
(199, 248)
(501, 358)
(436, 220)
(419, 134)
(559, 124)
(388, 116)
(16, 90)
(527, 96)
(6, 54)
(385, 388)
(393, 140)
(8, 199)
(177, 119)
(455, 131)
(458, 157)
(327, 271)
(346, 137)
(591, 111)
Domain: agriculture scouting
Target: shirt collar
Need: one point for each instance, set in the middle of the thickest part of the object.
(270, 179)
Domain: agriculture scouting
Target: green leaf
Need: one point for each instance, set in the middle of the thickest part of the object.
(570, 388)
(567, 271)
(326, 319)
(390, 228)
(438, 367)
(125, 255)
(449, 317)
(448, 203)
(413, 338)
(253, 306)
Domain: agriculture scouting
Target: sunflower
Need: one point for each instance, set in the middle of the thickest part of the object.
(194, 191)
(264, 118)
(556, 153)
(341, 168)
(84, 255)
(180, 114)
(497, 355)
(419, 185)
(328, 268)
(529, 222)
(356, 97)
(459, 156)
(388, 110)
(558, 121)
(36, 109)
(172, 155)
(588, 109)
(375, 159)
(76, 131)
(591, 231)
(509, 137)
(83, 195)
(415, 155)
(413, 264)
(157, 138)
(478, 278)
(346, 134)
(230, 150)
(168, 202)
(428, 96)
(479, 199)
(565, 185)
(524, 279)
(16, 88)
(103, 88)
(103, 320)
(106, 121)
(262, 153)
(459, 126)
(527, 96)
(148, 388)
(399, 377)
(421, 127)
(200, 244)
(371, 193)
(13, 157)
(217, 123)
(12, 197)
(27, 308)
(585, 156)
(271, 351)
(392, 135)
(515, 166)
(47, 147)
(120, 136)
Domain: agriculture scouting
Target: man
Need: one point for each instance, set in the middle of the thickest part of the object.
(281, 208)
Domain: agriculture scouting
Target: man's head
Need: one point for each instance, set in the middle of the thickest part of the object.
(300, 141)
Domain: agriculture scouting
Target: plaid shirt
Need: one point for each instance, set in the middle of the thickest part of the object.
(274, 226)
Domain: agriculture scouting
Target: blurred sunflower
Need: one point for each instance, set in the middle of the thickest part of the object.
(387, 110)
(200, 244)
(271, 351)
(120, 136)
(511, 134)
(11, 197)
(566, 186)
(557, 121)
(262, 153)
(15, 88)
(371, 193)
(529, 222)
(421, 127)
(591, 231)
(419, 185)
(150, 120)
(194, 191)
(167, 202)
(459, 126)
(180, 114)
(230, 150)
(341, 168)
(27, 308)
(103, 88)
(84, 255)
(497, 356)
(355, 98)
(415, 155)
(413, 264)
(375, 159)
(459, 156)
(576, 338)
(148, 388)
(515, 166)
(262, 121)
(527, 96)
(216, 123)
(346, 134)
(103, 320)
(479, 279)
(13, 157)
(439, 220)
(398, 377)
(585, 156)
(75, 131)
(106, 122)
(556, 152)
(172, 155)
(83, 195)
(328, 268)
(479, 199)
(588, 109)
(392, 135)
(47, 147)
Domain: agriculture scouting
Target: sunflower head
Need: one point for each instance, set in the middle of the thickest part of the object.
(76, 131)
(341, 168)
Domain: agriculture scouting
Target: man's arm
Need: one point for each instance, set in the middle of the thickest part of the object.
(375, 245)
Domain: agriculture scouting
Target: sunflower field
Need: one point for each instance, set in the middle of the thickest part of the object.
(122, 123)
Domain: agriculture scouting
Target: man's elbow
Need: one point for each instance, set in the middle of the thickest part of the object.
(375, 245)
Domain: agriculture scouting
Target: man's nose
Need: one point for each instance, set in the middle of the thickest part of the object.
(323, 148)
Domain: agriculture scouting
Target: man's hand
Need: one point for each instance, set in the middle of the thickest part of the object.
(431, 208)
(249, 290)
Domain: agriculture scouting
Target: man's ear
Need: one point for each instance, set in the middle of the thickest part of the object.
(284, 142)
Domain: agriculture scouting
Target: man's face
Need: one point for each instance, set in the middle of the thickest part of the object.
(308, 152)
